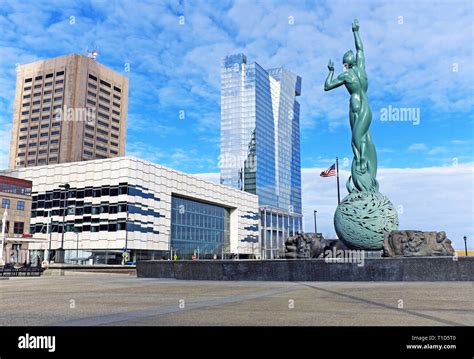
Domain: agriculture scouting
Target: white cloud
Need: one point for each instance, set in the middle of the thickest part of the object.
(418, 147)
(437, 150)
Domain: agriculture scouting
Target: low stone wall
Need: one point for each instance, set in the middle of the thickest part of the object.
(373, 269)
(58, 269)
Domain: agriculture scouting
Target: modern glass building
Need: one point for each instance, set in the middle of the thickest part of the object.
(199, 229)
(260, 144)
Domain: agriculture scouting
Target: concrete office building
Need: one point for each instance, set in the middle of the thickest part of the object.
(129, 204)
(68, 109)
(260, 144)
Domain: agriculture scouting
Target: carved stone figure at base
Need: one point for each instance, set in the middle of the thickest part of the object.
(416, 243)
(304, 245)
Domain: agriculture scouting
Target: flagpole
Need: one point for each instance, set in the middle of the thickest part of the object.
(338, 192)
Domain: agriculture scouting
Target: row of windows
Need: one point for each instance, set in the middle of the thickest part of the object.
(14, 188)
(105, 83)
(80, 208)
(20, 205)
(45, 93)
(95, 192)
(18, 227)
(47, 76)
(103, 227)
(44, 109)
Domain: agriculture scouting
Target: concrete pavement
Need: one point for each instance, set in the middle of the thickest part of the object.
(120, 299)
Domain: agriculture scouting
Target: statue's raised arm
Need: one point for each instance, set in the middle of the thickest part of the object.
(360, 60)
(365, 215)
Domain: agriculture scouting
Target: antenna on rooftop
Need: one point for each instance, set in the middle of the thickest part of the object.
(92, 53)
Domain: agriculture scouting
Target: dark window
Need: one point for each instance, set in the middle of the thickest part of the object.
(18, 227)
(59, 73)
(114, 191)
(120, 226)
(102, 82)
(117, 89)
(103, 115)
(96, 193)
(104, 91)
(49, 75)
(92, 77)
(28, 80)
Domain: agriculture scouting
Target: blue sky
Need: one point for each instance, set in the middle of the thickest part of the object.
(419, 54)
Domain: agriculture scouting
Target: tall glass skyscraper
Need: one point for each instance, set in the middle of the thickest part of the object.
(260, 144)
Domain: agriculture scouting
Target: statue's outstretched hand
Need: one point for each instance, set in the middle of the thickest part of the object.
(331, 65)
(355, 25)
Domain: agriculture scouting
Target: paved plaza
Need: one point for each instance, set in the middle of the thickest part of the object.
(121, 299)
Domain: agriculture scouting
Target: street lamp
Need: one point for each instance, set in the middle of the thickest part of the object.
(66, 187)
(125, 250)
(4, 224)
(315, 226)
(77, 247)
(465, 244)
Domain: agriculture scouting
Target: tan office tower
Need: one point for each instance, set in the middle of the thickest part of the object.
(68, 109)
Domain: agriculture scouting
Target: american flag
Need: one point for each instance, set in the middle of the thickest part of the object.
(331, 171)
